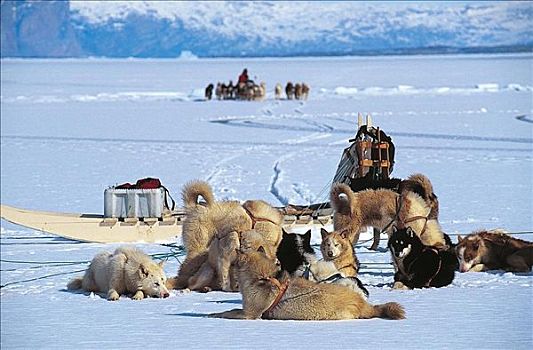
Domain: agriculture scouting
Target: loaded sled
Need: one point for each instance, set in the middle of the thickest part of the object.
(145, 212)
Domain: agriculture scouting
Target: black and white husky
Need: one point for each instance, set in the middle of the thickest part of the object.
(417, 265)
(295, 252)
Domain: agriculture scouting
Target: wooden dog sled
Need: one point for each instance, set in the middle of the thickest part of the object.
(100, 229)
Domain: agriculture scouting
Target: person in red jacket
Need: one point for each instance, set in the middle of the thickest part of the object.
(243, 78)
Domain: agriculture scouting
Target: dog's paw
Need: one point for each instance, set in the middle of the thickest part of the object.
(478, 268)
(138, 296)
(112, 295)
(399, 285)
(184, 291)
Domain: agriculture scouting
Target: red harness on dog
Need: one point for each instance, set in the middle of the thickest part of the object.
(255, 220)
(282, 289)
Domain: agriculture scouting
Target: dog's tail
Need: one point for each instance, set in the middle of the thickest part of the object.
(342, 198)
(75, 283)
(421, 186)
(195, 189)
(391, 311)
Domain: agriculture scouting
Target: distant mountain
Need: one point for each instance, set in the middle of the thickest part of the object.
(235, 29)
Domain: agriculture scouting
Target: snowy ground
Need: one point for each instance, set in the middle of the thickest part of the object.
(71, 128)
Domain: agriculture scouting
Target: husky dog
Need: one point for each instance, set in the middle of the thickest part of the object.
(492, 250)
(218, 91)
(223, 254)
(225, 218)
(217, 271)
(305, 91)
(209, 92)
(381, 209)
(417, 183)
(277, 91)
(268, 293)
(298, 91)
(126, 271)
(203, 221)
(326, 272)
(417, 265)
(289, 91)
(337, 248)
(260, 93)
(295, 252)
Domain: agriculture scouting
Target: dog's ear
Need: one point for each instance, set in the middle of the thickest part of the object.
(394, 228)
(344, 234)
(410, 231)
(323, 233)
(459, 238)
(307, 235)
(143, 272)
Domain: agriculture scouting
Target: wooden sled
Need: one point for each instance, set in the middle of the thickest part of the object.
(99, 229)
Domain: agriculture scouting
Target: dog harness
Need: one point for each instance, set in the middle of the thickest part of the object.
(399, 202)
(282, 289)
(414, 218)
(434, 250)
(255, 220)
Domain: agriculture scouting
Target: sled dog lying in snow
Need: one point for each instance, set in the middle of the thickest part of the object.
(494, 250)
(295, 252)
(268, 293)
(222, 219)
(416, 183)
(337, 248)
(126, 271)
(381, 209)
(417, 265)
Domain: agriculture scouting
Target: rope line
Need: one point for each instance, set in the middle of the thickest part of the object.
(40, 278)
(175, 251)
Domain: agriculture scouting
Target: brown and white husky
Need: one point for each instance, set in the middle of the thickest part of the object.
(337, 248)
(494, 250)
(383, 209)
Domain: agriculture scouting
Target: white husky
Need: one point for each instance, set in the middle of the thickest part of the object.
(127, 271)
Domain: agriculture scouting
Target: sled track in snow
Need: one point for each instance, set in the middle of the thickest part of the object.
(258, 125)
(524, 118)
(273, 185)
